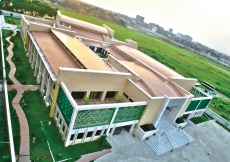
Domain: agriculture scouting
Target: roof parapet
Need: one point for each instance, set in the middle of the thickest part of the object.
(111, 31)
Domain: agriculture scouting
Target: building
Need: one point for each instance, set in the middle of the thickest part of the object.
(139, 20)
(95, 84)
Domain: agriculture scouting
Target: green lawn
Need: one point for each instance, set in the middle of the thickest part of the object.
(5, 34)
(184, 62)
(4, 147)
(14, 122)
(221, 107)
(24, 72)
(200, 119)
(12, 20)
(36, 112)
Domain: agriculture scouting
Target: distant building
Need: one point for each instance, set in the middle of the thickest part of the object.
(170, 30)
(154, 29)
(139, 19)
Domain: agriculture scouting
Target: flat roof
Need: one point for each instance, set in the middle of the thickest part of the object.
(84, 24)
(157, 85)
(55, 54)
(83, 54)
(88, 34)
(161, 68)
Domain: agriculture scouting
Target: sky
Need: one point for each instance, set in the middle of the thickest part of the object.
(206, 21)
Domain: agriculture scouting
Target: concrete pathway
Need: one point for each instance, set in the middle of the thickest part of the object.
(212, 144)
(24, 153)
(93, 156)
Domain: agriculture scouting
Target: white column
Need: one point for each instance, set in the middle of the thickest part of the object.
(112, 120)
(48, 90)
(111, 134)
(40, 72)
(43, 79)
(132, 127)
(31, 54)
(34, 59)
(36, 65)
(71, 125)
(30, 48)
(95, 49)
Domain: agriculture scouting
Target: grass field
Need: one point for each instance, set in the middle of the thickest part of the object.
(24, 73)
(200, 119)
(184, 62)
(221, 107)
(11, 20)
(5, 34)
(37, 115)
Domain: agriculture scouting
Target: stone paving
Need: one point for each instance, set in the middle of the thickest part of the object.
(24, 153)
(212, 144)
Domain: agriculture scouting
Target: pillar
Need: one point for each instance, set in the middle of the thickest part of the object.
(48, 90)
(37, 65)
(40, 72)
(43, 79)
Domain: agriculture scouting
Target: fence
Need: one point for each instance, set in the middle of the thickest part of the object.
(217, 117)
(13, 14)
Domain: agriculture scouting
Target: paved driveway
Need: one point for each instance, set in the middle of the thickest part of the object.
(212, 144)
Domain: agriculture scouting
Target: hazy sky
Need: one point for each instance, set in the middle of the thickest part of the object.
(206, 21)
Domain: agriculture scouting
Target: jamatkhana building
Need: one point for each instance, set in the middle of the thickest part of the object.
(96, 85)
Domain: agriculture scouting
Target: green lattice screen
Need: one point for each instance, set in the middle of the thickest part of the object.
(129, 113)
(192, 106)
(203, 104)
(64, 105)
(89, 118)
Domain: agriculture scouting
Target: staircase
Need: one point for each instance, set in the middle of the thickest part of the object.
(161, 143)
(168, 138)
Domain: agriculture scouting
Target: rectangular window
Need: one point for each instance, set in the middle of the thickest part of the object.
(89, 134)
(57, 115)
(126, 96)
(78, 95)
(110, 130)
(63, 128)
(53, 85)
(80, 135)
(95, 95)
(60, 121)
(98, 132)
(71, 137)
(105, 131)
(110, 94)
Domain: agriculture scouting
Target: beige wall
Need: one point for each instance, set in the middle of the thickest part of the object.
(152, 107)
(185, 83)
(89, 81)
(186, 106)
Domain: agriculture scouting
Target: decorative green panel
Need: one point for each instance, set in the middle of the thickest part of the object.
(129, 113)
(93, 117)
(64, 105)
(192, 106)
(203, 104)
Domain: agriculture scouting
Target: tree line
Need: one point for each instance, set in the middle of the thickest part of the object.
(29, 7)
